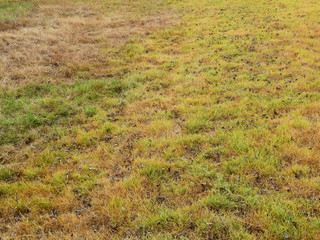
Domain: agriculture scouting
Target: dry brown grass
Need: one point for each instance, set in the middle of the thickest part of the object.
(59, 39)
(211, 131)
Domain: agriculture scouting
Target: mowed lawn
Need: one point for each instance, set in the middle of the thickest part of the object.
(160, 119)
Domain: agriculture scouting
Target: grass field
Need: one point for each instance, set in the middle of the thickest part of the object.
(160, 119)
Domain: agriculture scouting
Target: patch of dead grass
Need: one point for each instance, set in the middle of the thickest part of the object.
(59, 39)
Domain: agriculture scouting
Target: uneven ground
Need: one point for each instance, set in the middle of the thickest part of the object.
(160, 119)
